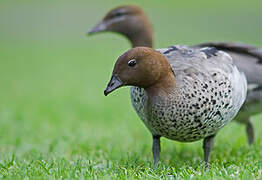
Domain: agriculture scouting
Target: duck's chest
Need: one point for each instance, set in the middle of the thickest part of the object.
(187, 116)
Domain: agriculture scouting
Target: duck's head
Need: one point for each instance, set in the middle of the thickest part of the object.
(130, 21)
(142, 67)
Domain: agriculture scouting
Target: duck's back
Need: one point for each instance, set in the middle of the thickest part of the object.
(203, 65)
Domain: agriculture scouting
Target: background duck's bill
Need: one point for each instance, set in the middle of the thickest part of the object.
(97, 28)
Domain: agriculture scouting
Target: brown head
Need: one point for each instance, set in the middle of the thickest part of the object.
(142, 67)
(130, 21)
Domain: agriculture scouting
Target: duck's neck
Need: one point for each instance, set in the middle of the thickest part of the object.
(164, 87)
(142, 37)
(141, 40)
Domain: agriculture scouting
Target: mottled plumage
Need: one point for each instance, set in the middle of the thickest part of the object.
(209, 94)
(248, 59)
(181, 93)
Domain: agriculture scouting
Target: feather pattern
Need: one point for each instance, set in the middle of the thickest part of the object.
(210, 91)
(248, 59)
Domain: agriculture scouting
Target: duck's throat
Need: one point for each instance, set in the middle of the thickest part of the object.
(143, 38)
(163, 87)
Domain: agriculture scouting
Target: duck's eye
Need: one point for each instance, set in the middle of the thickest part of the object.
(117, 14)
(132, 63)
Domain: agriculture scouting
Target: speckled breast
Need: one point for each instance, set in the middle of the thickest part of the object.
(186, 116)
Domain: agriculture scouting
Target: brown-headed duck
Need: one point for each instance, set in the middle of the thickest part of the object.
(132, 22)
(185, 94)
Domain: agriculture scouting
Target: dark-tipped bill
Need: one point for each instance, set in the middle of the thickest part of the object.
(114, 83)
(98, 28)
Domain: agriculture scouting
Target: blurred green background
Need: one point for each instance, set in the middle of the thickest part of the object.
(54, 117)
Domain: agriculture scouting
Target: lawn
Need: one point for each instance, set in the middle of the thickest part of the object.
(55, 122)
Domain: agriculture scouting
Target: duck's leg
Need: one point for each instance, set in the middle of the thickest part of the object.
(156, 148)
(250, 131)
(207, 146)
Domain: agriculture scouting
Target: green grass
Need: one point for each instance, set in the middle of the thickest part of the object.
(55, 122)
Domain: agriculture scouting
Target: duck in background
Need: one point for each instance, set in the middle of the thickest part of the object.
(187, 94)
(131, 22)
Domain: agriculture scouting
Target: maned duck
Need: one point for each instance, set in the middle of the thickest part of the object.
(185, 94)
(132, 22)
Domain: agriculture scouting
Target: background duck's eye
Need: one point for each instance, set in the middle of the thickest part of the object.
(116, 14)
(132, 62)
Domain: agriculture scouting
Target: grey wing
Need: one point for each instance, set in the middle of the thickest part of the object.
(246, 57)
(199, 64)
(196, 59)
